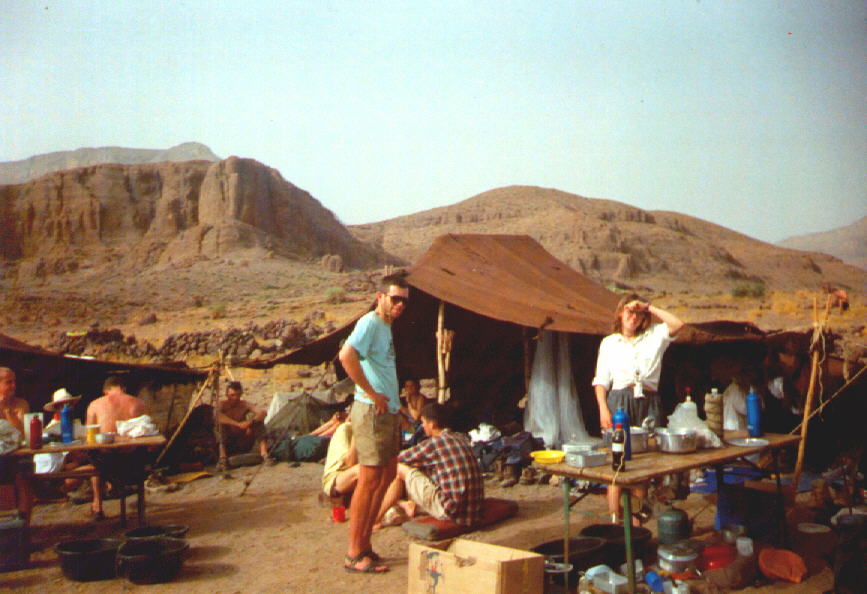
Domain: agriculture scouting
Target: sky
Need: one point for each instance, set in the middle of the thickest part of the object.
(750, 114)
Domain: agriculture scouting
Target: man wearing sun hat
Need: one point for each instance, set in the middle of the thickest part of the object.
(59, 399)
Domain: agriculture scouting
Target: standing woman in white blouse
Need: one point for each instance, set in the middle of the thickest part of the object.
(629, 366)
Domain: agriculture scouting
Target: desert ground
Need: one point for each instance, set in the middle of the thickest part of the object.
(278, 538)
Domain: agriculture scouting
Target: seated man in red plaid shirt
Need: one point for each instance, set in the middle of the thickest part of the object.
(441, 475)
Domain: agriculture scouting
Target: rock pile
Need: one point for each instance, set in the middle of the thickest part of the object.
(249, 342)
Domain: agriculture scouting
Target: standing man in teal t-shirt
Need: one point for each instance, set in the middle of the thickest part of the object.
(368, 358)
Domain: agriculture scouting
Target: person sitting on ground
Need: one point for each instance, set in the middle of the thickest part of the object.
(242, 425)
(340, 474)
(414, 401)
(113, 406)
(329, 427)
(12, 410)
(441, 475)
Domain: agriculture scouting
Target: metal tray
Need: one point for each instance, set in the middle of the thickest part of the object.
(586, 459)
(749, 442)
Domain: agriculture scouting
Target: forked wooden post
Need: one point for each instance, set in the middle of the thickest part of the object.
(441, 370)
(818, 332)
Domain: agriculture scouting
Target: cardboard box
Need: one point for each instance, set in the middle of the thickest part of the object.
(474, 567)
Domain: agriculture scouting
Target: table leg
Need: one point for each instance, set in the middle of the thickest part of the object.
(122, 505)
(626, 498)
(781, 502)
(141, 503)
(565, 486)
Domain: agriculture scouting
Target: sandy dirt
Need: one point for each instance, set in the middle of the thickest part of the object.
(277, 537)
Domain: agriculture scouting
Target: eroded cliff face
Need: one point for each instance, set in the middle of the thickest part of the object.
(166, 213)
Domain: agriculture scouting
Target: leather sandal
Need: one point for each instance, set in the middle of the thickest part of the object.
(371, 567)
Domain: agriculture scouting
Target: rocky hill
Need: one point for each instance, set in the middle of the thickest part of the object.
(848, 243)
(131, 217)
(17, 172)
(619, 244)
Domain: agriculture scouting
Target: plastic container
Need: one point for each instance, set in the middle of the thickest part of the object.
(754, 414)
(607, 580)
(88, 560)
(14, 543)
(744, 546)
(151, 532)
(151, 561)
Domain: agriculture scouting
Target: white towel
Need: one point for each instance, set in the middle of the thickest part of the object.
(138, 427)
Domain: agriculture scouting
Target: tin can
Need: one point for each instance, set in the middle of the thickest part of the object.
(91, 432)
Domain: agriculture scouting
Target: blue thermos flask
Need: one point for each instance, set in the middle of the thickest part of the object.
(66, 431)
(620, 417)
(754, 414)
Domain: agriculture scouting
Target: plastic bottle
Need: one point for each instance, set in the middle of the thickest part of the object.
(654, 580)
(35, 433)
(713, 411)
(754, 414)
(620, 417)
(689, 406)
(67, 433)
(618, 439)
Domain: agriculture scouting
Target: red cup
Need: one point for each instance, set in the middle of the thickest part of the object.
(338, 513)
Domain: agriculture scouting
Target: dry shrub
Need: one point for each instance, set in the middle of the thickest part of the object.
(785, 304)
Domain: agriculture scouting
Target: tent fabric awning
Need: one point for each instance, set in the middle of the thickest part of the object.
(512, 278)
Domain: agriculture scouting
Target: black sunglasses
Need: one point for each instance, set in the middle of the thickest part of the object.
(395, 299)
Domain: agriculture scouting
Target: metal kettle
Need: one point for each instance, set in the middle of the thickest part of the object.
(673, 526)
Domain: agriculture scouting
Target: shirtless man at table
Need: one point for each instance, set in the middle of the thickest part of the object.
(115, 405)
(13, 409)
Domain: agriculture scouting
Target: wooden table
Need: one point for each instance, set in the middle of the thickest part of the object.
(121, 445)
(649, 465)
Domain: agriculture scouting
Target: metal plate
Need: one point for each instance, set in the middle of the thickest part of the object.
(749, 442)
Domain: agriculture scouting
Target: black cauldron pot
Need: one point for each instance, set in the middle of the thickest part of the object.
(584, 552)
(148, 532)
(88, 560)
(614, 550)
(151, 561)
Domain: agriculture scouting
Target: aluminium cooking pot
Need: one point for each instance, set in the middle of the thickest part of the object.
(638, 439)
(677, 441)
(677, 557)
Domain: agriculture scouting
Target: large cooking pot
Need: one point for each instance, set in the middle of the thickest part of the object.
(584, 552)
(677, 441)
(615, 542)
(679, 557)
(88, 560)
(638, 439)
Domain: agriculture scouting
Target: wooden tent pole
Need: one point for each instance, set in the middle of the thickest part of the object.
(190, 408)
(818, 331)
(441, 372)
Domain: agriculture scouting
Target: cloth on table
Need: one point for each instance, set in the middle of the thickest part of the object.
(10, 437)
(137, 427)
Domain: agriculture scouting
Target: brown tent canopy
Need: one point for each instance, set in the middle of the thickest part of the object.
(499, 291)
(40, 372)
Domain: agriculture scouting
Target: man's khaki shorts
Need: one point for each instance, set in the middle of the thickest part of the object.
(425, 493)
(377, 436)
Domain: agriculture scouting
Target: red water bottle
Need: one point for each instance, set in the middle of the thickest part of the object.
(35, 433)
